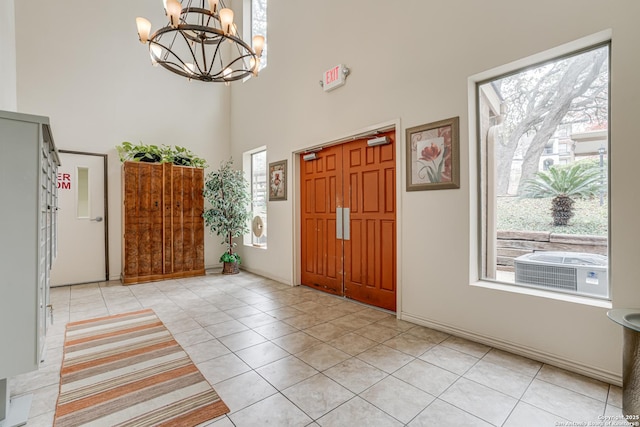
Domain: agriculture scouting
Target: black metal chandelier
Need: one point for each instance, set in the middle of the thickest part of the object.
(192, 42)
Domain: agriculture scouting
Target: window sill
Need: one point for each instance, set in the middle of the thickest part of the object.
(255, 246)
(576, 299)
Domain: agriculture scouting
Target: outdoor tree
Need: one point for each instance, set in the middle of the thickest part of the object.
(568, 91)
(564, 184)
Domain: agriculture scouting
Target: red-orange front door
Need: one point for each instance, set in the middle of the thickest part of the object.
(354, 185)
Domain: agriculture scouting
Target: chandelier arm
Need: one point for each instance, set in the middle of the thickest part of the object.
(168, 51)
(196, 63)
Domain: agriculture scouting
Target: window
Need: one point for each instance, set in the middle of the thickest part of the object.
(259, 26)
(255, 166)
(82, 192)
(544, 215)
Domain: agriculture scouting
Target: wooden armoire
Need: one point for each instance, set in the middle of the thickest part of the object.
(163, 228)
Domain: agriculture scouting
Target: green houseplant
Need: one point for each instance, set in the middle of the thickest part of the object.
(177, 155)
(227, 191)
(139, 152)
(181, 156)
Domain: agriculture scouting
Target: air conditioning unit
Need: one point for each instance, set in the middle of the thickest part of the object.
(573, 272)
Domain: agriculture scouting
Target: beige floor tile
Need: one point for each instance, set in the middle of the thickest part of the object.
(326, 331)
(449, 359)
(427, 377)
(261, 354)
(213, 318)
(222, 368)
(615, 396)
(479, 400)
(317, 395)
(207, 350)
(465, 346)
(242, 311)
(499, 378)
(256, 320)
(358, 412)
(429, 335)
(241, 340)
(355, 375)
(275, 330)
(525, 415)
(192, 337)
(575, 382)
(351, 322)
(563, 402)
(443, 414)
(322, 356)
(385, 358)
(275, 410)
(514, 362)
(244, 390)
(286, 372)
(397, 398)
(377, 332)
(352, 344)
(223, 329)
(409, 344)
(296, 342)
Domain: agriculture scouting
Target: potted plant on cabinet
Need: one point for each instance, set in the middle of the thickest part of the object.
(181, 156)
(140, 152)
(227, 191)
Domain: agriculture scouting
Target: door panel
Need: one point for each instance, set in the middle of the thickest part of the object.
(369, 256)
(321, 193)
(360, 179)
(81, 253)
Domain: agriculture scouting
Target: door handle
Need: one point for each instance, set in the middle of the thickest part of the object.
(347, 224)
(96, 219)
(338, 223)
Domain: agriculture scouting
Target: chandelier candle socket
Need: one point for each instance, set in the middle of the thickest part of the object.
(191, 43)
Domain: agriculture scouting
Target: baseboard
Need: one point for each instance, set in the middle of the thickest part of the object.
(531, 353)
(266, 274)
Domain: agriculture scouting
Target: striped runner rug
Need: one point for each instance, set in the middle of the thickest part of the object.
(128, 370)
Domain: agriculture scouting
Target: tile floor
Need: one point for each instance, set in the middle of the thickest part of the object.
(292, 356)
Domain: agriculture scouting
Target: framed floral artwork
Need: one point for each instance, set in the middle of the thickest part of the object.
(433, 156)
(278, 180)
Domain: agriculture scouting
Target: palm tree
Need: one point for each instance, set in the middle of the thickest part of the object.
(564, 184)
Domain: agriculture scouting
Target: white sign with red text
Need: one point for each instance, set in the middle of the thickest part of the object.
(334, 77)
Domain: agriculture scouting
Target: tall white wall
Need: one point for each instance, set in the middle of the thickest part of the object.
(81, 64)
(411, 62)
(7, 56)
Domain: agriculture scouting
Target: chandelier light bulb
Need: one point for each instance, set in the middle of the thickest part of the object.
(190, 67)
(213, 6)
(155, 51)
(144, 29)
(258, 44)
(226, 20)
(255, 66)
(174, 9)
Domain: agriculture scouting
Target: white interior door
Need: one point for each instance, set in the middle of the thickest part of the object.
(81, 252)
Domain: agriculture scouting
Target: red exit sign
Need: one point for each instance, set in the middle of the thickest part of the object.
(334, 77)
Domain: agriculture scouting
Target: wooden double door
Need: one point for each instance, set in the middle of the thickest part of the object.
(348, 220)
(162, 222)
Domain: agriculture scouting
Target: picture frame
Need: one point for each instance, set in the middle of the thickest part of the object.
(278, 180)
(433, 155)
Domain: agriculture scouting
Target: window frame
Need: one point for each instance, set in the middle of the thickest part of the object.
(479, 256)
(248, 167)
